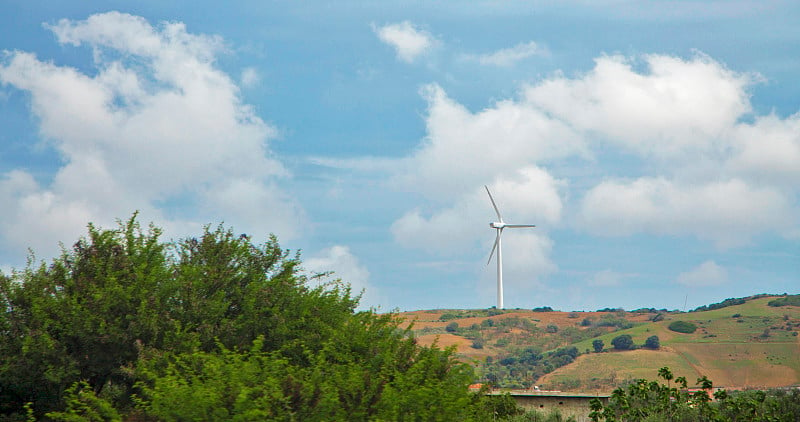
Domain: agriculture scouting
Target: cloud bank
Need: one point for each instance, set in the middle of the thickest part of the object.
(154, 123)
(700, 163)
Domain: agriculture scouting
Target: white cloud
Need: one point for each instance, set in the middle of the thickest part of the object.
(698, 169)
(768, 150)
(705, 274)
(346, 266)
(508, 56)
(463, 150)
(409, 41)
(156, 122)
(678, 106)
(249, 77)
(530, 197)
(726, 212)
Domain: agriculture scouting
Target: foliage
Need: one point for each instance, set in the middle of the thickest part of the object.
(609, 320)
(623, 342)
(654, 401)
(652, 342)
(598, 345)
(543, 309)
(610, 310)
(123, 325)
(552, 328)
(537, 416)
(519, 368)
(790, 300)
(685, 327)
(451, 327)
(82, 405)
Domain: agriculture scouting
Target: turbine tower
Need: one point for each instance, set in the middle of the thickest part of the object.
(499, 226)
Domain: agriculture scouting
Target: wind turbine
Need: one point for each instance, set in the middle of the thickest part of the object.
(499, 226)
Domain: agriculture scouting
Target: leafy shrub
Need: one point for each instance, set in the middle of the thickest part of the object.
(623, 342)
(477, 344)
(652, 342)
(543, 309)
(447, 316)
(552, 328)
(451, 327)
(792, 300)
(685, 327)
(598, 345)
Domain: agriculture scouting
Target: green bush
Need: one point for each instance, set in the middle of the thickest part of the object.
(623, 342)
(451, 327)
(685, 327)
(652, 342)
(792, 300)
(123, 326)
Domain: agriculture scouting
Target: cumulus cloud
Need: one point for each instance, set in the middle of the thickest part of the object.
(155, 122)
(507, 56)
(345, 266)
(697, 163)
(705, 274)
(673, 107)
(768, 151)
(727, 212)
(530, 197)
(408, 40)
(463, 150)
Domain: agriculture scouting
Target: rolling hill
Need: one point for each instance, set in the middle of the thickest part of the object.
(746, 345)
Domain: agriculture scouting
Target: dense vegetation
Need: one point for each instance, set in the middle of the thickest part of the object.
(789, 300)
(123, 325)
(685, 327)
(654, 401)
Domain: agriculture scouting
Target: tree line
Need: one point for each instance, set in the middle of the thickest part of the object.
(125, 326)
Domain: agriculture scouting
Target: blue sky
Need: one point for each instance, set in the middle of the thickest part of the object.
(656, 145)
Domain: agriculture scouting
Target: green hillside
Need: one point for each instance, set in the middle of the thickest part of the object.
(751, 344)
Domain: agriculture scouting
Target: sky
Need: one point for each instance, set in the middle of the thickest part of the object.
(655, 145)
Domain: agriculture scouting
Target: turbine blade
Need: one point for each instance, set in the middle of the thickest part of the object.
(493, 204)
(496, 240)
(519, 225)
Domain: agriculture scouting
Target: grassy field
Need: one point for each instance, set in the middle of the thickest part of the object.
(598, 371)
(744, 346)
(747, 345)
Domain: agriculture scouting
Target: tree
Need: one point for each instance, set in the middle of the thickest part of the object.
(652, 342)
(598, 345)
(653, 401)
(212, 327)
(451, 327)
(551, 328)
(623, 342)
(685, 327)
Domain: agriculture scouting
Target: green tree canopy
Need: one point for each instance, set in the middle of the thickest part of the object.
(622, 342)
(213, 327)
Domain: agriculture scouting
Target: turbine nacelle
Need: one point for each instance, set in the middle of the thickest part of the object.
(497, 225)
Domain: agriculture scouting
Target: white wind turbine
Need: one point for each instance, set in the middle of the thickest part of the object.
(499, 226)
